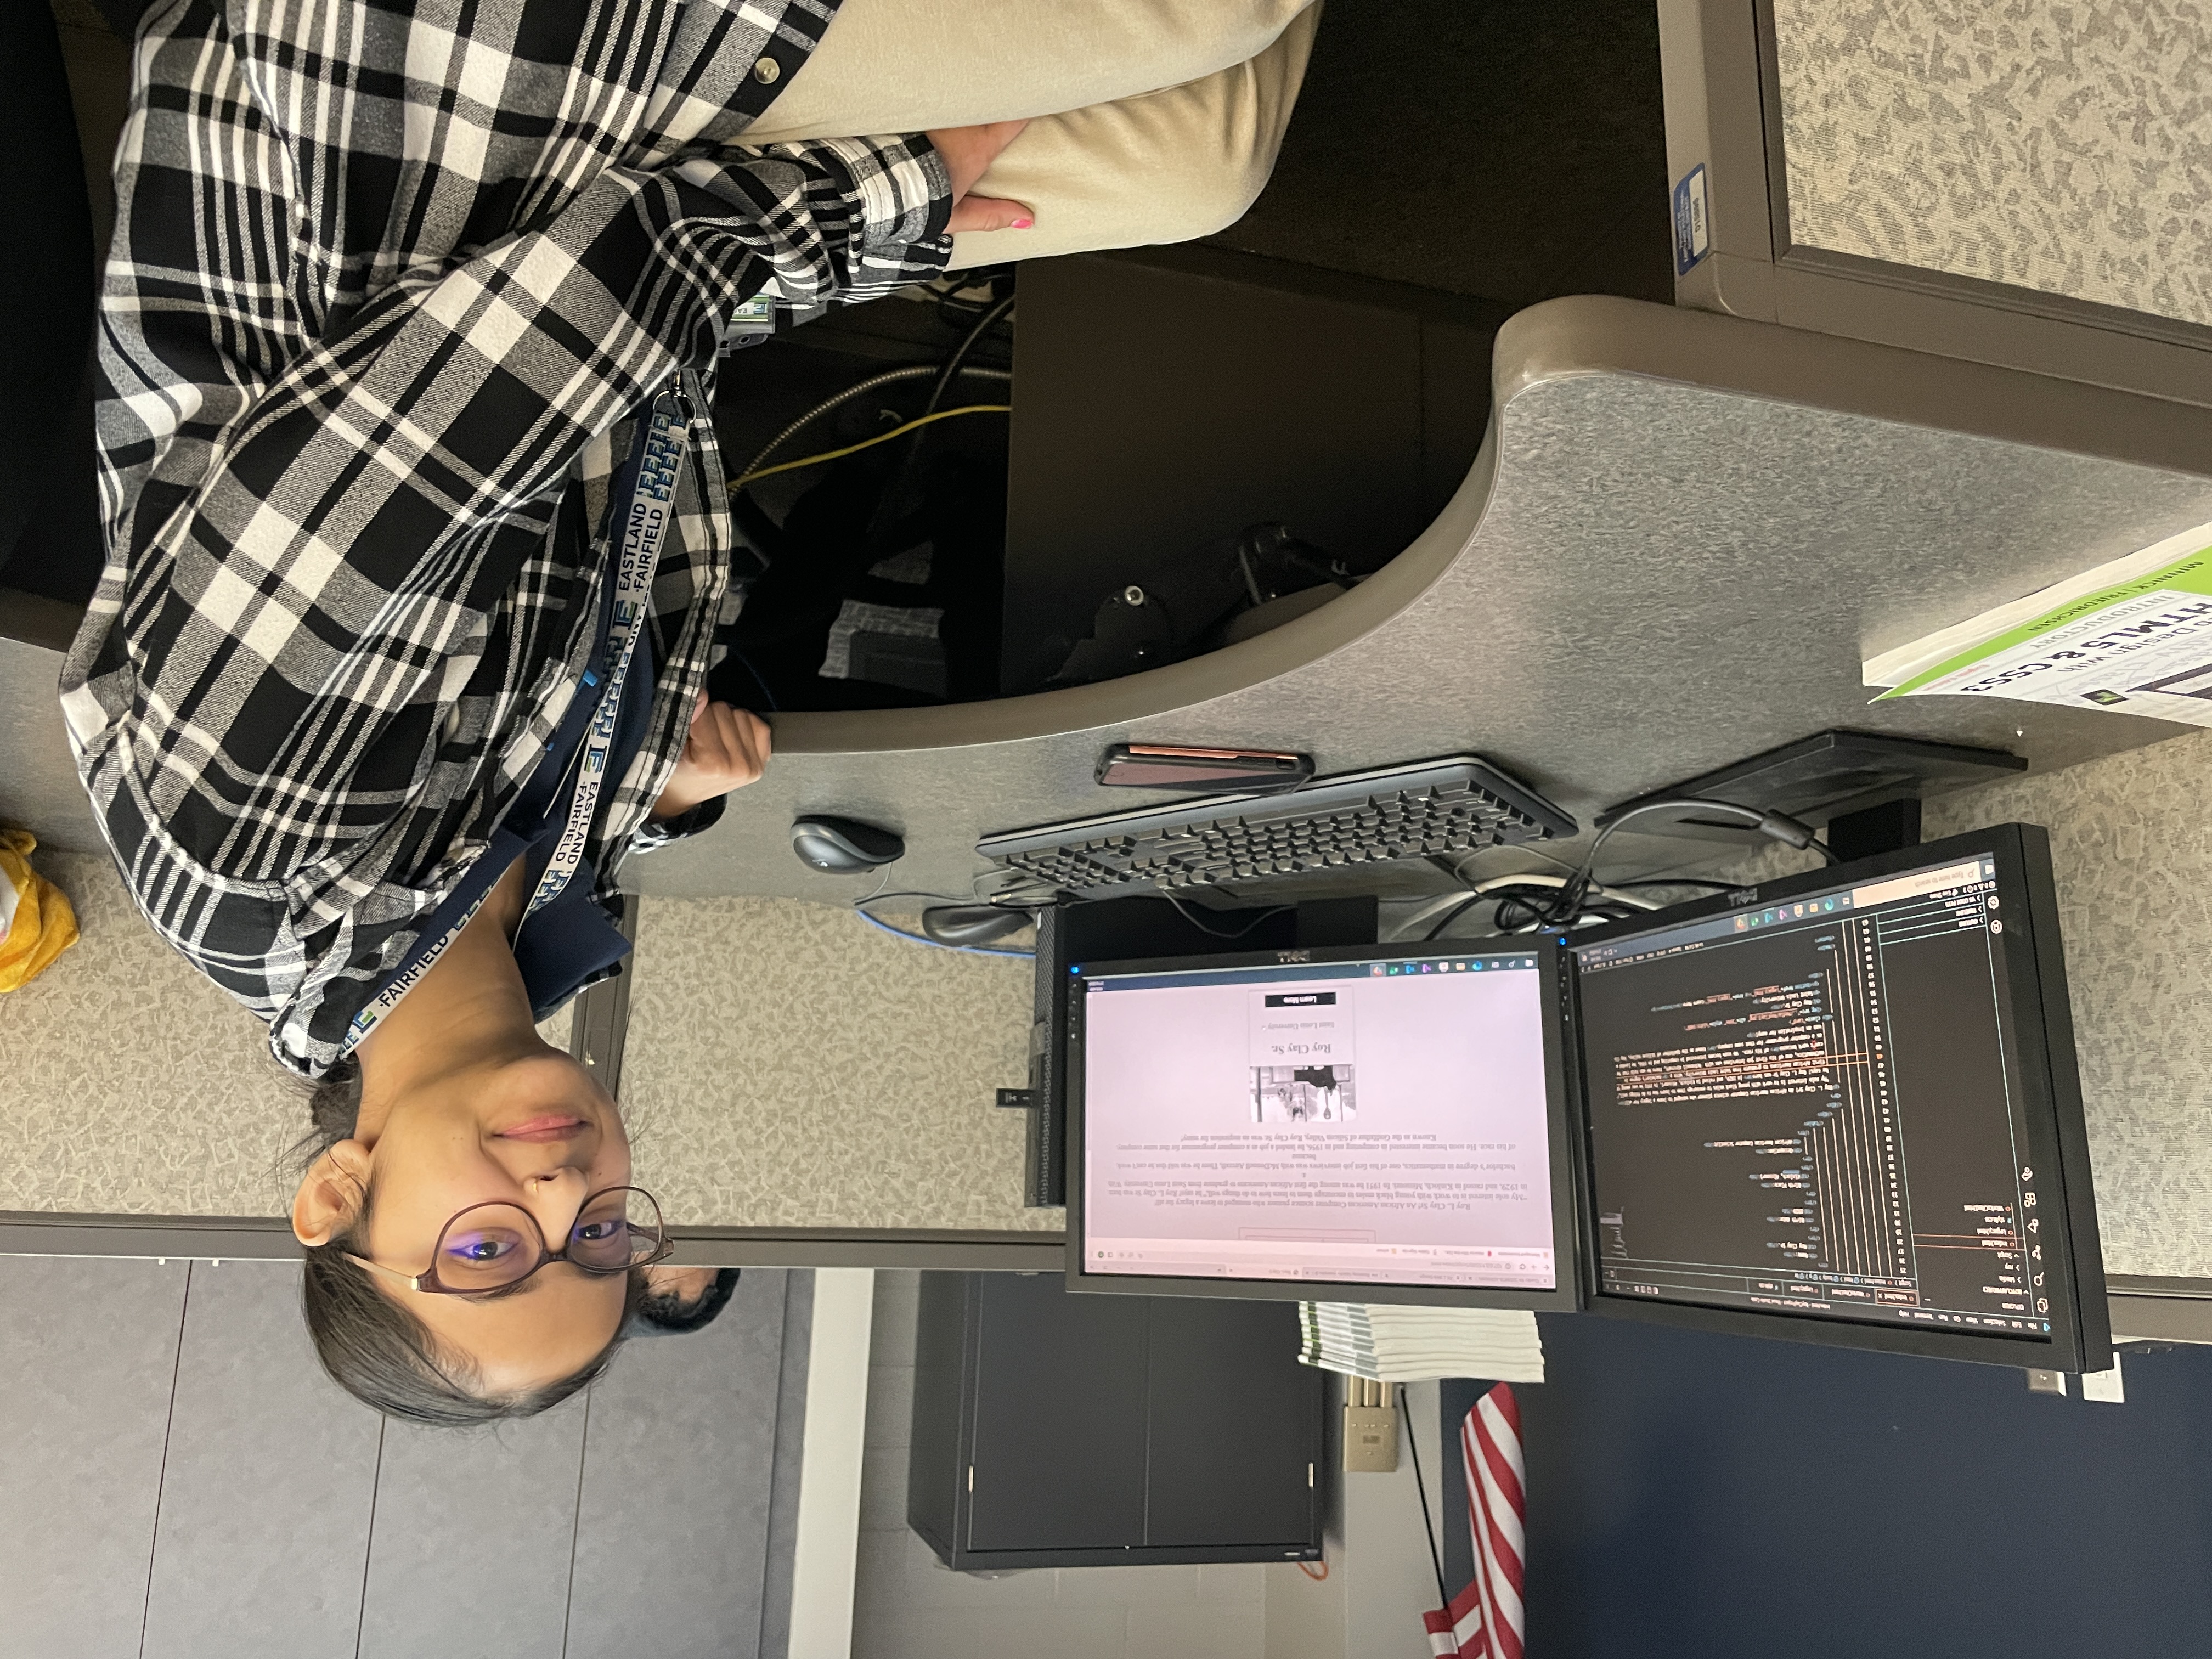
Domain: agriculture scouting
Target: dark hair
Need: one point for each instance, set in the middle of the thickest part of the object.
(373, 1348)
(664, 1310)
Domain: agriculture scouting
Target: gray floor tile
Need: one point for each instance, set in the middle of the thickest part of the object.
(678, 1458)
(265, 1503)
(898, 1305)
(292, 1521)
(882, 1490)
(890, 1408)
(470, 1554)
(87, 1355)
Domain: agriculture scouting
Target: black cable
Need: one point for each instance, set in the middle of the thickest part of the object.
(1516, 914)
(1454, 915)
(887, 504)
(829, 405)
(968, 344)
(942, 898)
(860, 909)
(1780, 826)
(947, 898)
(955, 311)
(1046, 900)
(1428, 1527)
(1520, 916)
(1191, 917)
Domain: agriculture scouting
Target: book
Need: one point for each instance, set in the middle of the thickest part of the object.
(1387, 1343)
(2133, 635)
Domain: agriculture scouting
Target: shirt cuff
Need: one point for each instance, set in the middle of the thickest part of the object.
(902, 187)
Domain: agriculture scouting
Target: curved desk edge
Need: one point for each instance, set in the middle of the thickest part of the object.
(1561, 339)
(1320, 633)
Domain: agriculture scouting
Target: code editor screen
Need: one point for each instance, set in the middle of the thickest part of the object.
(1814, 1108)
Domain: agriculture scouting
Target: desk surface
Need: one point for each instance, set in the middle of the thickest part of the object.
(1682, 535)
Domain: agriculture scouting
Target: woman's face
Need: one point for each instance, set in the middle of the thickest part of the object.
(536, 1132)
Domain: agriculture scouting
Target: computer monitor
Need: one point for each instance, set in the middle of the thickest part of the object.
(1376, 1123)
(1843, 1107)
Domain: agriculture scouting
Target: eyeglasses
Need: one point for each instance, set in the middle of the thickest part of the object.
(495, 1246)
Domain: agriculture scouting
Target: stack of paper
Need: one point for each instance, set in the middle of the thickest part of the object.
(1391, 1343)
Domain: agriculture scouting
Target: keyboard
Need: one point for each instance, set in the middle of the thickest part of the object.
(1449, 807)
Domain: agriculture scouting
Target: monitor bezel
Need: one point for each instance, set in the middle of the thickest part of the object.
(1562, 1138)
(2081, 1335)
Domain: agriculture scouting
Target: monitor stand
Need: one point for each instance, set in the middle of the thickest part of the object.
(1865, 787)
(1889, 827)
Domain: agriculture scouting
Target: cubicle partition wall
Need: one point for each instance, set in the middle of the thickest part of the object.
(2012, 188)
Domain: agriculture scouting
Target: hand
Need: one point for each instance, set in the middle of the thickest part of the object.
(969, 153)
(726, 750)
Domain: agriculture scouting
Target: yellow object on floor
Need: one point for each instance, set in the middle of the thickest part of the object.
(36, 922)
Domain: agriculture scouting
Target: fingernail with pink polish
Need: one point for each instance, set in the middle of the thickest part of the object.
(1023, 224)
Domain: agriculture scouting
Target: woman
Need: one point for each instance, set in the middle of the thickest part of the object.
(418, 541)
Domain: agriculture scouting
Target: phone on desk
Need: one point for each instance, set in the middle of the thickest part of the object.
(1168, 766)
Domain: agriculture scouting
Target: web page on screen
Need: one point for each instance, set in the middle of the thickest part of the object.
(1379, 1122)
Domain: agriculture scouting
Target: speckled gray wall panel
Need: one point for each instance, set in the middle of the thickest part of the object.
(128, 1083)
(788, 1065)
(2131, 851)
(785, 1065)
(268, 1483)
(84, 1412)
(2063, 145)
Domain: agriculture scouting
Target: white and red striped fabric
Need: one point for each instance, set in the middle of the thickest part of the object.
(1485, 1619)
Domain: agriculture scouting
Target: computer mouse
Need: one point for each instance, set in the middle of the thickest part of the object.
(971, 924)
(843, 846)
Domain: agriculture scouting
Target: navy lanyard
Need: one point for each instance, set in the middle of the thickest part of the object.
(645, 502)
(642, 512)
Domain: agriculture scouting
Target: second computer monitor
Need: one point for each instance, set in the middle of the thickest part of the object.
(1843, 1107)
(1376, 1124)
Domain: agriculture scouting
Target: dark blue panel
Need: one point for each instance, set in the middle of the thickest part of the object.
(1725, 1497)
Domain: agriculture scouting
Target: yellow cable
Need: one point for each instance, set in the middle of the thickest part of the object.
(866, 443)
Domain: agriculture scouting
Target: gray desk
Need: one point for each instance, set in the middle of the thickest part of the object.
(1682, 534)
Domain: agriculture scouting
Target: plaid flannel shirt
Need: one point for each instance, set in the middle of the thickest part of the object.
(390, 281)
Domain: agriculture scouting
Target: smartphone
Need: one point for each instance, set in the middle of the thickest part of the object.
(1165, 765)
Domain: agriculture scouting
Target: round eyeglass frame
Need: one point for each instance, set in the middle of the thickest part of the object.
(427, 1281)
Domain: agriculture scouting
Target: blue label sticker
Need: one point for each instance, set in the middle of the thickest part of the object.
(1693, 233)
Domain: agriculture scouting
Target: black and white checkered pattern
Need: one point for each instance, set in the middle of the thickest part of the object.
(389, 280)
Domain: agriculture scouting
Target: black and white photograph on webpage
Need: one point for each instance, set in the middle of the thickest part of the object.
(1302, 1094)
